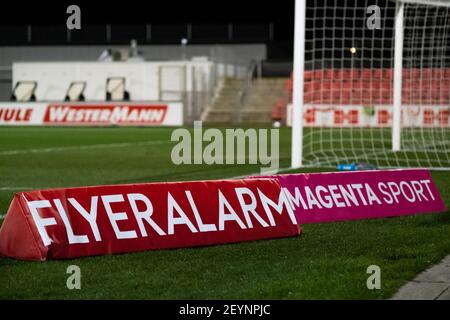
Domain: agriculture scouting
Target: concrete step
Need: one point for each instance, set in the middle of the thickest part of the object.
(225, 118)
(220, 111)
(263, 100)
(259, 118)
(256, 109)
(260, 100)
(224, 104)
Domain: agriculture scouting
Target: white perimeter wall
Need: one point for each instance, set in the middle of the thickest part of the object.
(149, 81)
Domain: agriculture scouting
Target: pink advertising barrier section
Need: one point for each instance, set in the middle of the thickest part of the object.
(340, 196)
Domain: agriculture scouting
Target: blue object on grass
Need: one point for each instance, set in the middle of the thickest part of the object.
(346, 167)
(355, 166)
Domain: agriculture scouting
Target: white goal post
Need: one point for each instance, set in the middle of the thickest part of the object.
(371, 83)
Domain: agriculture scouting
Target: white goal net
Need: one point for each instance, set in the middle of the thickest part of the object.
(376, 83)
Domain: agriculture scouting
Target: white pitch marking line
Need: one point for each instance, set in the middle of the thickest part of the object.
(93, 146)
(16, 188)
(259, 174)
(235, 177)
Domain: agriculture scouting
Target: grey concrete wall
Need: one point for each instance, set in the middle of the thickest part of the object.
(228, 53)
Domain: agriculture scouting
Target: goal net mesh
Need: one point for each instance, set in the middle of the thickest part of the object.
(349, 81)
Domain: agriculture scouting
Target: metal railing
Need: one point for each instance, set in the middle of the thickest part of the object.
(169, 33)
(254, 67)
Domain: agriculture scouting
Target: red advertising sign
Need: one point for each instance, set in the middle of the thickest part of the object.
(14, 114)
(75, 222)
(92, 114)
(441, 117)
(371, 116)
(340, 116)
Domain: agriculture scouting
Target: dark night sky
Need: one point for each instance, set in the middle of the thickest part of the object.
(166, 12)
(150, 11)
(202, 12)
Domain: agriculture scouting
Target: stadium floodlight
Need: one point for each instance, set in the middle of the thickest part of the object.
(115, 89)
(24, 91)
(377, 93)
(75, 91)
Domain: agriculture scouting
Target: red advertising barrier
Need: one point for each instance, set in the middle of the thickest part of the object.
(92, 113)
(75, 222)
(325, 115)
(340, 196)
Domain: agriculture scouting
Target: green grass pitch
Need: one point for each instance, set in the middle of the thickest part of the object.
(328, 261)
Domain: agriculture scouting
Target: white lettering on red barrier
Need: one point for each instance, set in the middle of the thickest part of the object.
(15, 114)
(376, 116)
(67, 223)
(93, 114)
(101, 113)
(102, 220)
(175, 214)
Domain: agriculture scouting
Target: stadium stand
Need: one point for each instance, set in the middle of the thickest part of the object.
(368, 87)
